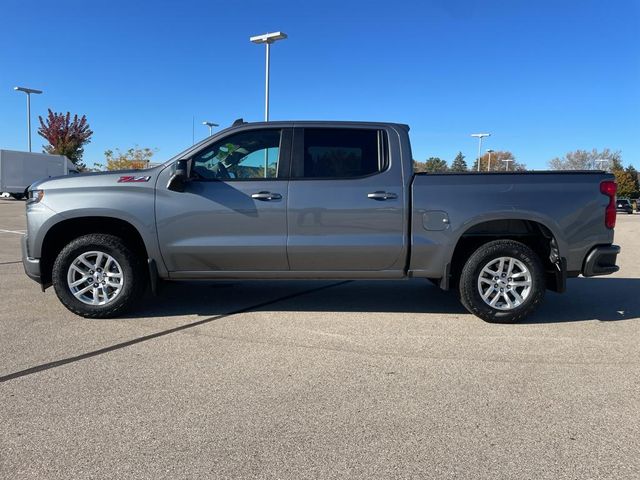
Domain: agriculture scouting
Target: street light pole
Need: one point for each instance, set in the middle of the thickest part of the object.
(267, 39)
(266, 82)
(480, 136)
(210, 125)
(507, 160)
(28, 91)
(489, 151)
(601, 161)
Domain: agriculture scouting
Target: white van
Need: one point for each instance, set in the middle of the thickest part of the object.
(18, 170)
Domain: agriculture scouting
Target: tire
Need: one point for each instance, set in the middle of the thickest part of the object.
(17, 196)
(119, 266)
(477, 276)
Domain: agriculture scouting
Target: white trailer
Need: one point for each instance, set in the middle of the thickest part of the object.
(18, 170)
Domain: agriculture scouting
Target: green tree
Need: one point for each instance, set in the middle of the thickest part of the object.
(459, 164)
(435, 165)
(131, 159)
(65, 136)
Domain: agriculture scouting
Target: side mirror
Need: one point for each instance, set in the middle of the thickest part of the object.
(180, 176)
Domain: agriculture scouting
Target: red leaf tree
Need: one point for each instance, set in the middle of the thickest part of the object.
(65, 136)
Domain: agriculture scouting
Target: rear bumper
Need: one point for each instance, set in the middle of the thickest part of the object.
(31, 265)
(601, 260)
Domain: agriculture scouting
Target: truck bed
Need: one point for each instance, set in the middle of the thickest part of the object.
(446, 206)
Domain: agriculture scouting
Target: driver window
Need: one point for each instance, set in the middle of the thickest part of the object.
(247, 155)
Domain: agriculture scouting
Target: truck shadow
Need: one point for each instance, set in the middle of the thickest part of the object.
(603, 299)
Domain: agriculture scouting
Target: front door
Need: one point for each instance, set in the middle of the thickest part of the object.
(232, 215)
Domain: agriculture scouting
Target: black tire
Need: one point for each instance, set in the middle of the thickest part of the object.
(135, 277)
(17, 196)
(470, 294)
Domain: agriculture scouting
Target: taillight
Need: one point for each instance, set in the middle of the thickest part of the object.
(608, 188)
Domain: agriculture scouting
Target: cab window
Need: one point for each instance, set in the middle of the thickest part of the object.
(341, 153)
(254, 154)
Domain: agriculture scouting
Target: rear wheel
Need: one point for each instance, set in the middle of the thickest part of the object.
(98, 276)
(502, 282)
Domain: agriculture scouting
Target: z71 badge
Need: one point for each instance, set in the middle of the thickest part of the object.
(131, 178)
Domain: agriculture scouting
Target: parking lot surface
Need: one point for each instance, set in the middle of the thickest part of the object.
(297, 380)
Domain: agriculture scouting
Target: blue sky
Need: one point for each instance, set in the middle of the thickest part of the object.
(543, 77)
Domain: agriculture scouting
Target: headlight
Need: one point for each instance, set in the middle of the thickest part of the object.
(35, 196)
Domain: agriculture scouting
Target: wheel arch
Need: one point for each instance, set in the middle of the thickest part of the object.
(535, 234)
(64, 231)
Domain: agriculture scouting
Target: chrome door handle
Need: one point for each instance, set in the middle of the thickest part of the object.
(380, 196)
(266, 196)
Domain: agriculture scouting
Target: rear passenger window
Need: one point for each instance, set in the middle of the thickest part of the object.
(342, 153)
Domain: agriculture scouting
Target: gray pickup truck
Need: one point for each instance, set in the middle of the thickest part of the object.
(317, 200)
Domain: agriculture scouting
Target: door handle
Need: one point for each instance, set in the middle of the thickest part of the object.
(381, 196)
(266, 196)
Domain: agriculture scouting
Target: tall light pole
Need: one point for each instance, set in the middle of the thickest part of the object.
(480, 136)
(601, 161)
(210, 125)
(267, 39)
(489, 151)
(28, 91)
(507, 160)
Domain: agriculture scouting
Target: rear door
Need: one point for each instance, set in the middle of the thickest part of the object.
(346, 201)
(232, 215)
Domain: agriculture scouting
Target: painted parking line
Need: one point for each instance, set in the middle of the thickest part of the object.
(17, 232)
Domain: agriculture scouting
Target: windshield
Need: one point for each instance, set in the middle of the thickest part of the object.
(193, 147)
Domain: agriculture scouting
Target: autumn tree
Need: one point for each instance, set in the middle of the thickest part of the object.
(65, 136)
(418, 167)
(627, 181)
(459, 164)
(634, 175)
(501, 161)
(131, 159)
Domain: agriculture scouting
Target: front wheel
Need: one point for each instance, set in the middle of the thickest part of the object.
(98, 276)
(502, 282)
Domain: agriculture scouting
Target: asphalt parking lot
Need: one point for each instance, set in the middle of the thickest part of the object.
(322, 380)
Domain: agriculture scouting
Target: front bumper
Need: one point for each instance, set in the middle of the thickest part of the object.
(31, 265)
(601, 260)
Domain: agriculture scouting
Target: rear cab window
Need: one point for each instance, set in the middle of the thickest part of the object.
(339, 153)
